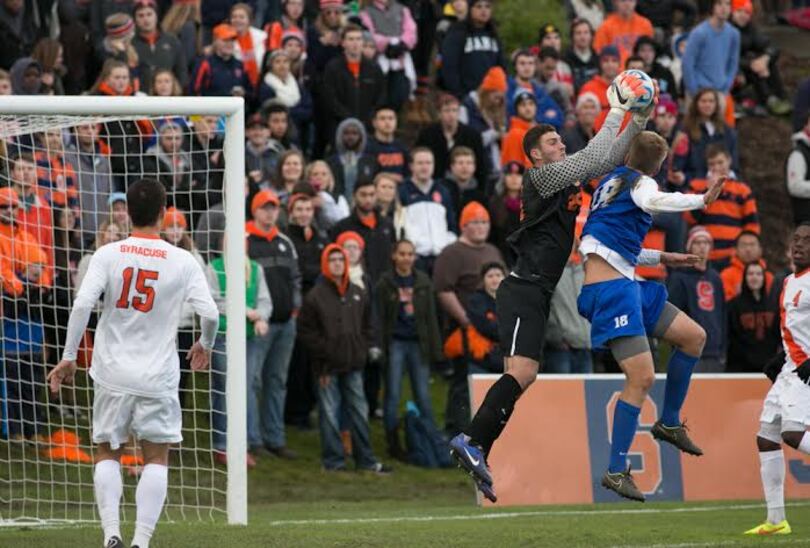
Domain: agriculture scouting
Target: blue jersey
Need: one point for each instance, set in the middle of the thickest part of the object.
(615, 219)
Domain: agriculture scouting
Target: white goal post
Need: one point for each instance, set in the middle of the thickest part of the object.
(29, 114)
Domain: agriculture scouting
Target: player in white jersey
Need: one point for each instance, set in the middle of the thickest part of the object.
(786, 412)
(135, 369)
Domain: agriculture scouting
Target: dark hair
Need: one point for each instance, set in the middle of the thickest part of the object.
(275, 108)
(522, 52)
(647, 151)
(146, 198)
(490, 265)
(304, 188)
(384, 106)
(577, 21)
(532, 138)
(400, 242)
(547, 52)
(716, 149)
(419, 150)
(363, 182)
(691, 122)
(745, 233)
(351, 27)
(632, 58)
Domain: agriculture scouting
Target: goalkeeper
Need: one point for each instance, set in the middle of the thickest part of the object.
(550, 204)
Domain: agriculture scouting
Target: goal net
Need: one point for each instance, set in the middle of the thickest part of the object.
(69, 161)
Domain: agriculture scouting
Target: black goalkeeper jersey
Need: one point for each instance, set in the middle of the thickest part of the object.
(551, 201)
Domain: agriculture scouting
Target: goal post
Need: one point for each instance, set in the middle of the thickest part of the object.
(29, 115)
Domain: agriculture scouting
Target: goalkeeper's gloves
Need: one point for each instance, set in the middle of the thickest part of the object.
(803, 371)
(622, 93)
(641, 117)
(774, 366)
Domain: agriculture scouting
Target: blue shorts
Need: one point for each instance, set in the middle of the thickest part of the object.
(621, 308)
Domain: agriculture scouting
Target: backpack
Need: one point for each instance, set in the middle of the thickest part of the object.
(425, 445)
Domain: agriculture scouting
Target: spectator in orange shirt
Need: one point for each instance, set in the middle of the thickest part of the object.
(609, 67)
(21, 257)
(34, 214)
(622, 28)
(56, 176)
(525, 106)
(734, 212)
(748, 249)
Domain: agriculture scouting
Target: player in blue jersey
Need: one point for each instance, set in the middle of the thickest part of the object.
(624, 312)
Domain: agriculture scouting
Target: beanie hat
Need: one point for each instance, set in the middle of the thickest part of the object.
(292, 34)
(495, 80)
(744, 5)
(609, 51)
(174, 217)
(263, 198)
(118, 25)
(473, 212)
(666, 106)
(522, 94)
(331, 4)
(116, 197)
(589, 96)
(9, 197)
(351, 235)
(697, 231)
(140, 4)
(545, 30)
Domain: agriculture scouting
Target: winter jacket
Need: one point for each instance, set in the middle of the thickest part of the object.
(365, 165)
(566, 329)
(798, 177)
(335, 324)
(125, 138)
(275, 252)
(348, 97)
(696, 166)
(548, 111)
(473, 191)
(14, 46)
(505, 214)
(425, 314)
(575, 139)
(426, 228)
(309, 244)
(379, 236)
(754, 335)
(581, 69)
(437, 193)
(263, 161)
(699, 294)
(164, 52)
(482, 312)
(215, 76)
(391, 157)
(732, 277)
(94, 183)
(207, 170)
(754, 43)
(467, 53)
(433, 138)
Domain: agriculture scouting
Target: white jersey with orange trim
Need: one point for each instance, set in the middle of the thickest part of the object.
(795, 319)
(144, 281)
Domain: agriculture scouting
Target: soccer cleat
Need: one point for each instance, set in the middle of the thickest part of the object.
(623, 485)
(677, 436)
(781, 528)
(470, 458)
(114, 542)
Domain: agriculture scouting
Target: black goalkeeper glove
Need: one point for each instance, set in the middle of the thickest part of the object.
(774, 366)
(803, 371)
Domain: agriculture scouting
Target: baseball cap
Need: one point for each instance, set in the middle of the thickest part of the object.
(224, 31)
(263, 198)
(116, 197)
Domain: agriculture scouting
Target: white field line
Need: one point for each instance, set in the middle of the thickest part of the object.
(530, 513)
(771, 541)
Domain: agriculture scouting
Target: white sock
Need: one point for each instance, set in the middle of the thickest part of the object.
(109, 487)
(772, 470)
(149, 498)
(804, 445)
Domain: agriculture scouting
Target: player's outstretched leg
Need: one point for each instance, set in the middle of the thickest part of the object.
(688, 338)
(634, 357)
(151, 492)
(772, 472)
(108, 489)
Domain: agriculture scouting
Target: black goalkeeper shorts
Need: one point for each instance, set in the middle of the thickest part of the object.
(523, 309)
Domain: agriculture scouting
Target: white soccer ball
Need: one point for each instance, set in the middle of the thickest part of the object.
(647, 89)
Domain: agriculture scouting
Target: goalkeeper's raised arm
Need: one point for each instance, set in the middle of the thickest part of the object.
(554, 170)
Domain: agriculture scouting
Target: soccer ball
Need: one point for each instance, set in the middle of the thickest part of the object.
(647, 87)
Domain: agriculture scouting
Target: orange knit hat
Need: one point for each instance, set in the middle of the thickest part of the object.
(495, 80)
(351, 235)
(174, 217)
(744, 5)
(8, 196)
(473, 212)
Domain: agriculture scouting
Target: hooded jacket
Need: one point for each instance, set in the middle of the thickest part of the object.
(754, 335)
(700, 295)
(732, 277)
(379, 236)
(309, 244)
(335, 322)
(548, 111)
(17, 77)
(349, 167)
(467, 53)
(798, 177)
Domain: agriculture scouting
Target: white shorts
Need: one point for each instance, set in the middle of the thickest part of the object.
(116, 415)
(786, 407)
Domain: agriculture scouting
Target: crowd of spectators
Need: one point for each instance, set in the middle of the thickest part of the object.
(372, 250)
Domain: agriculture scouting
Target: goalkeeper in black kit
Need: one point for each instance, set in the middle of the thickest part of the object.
(550, 204)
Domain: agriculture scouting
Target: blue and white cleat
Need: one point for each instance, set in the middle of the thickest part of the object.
(470, 458)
